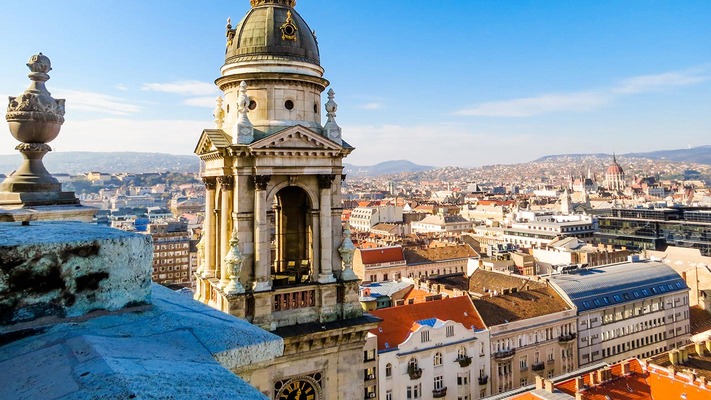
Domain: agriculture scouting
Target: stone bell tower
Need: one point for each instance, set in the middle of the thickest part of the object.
(273, 249)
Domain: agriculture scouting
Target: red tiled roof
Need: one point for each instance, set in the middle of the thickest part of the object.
(633, 386)
(398, 321)
(380, 255)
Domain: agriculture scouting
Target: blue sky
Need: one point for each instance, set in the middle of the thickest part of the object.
(464, 83)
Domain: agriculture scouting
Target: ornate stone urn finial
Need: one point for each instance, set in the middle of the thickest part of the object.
(331, 128)
(234, 260)
(35, 118)
(347, 249)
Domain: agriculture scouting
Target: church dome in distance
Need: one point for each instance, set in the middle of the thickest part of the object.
(271, 30)
(614, 168)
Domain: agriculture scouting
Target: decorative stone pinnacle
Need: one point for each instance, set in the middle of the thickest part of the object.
(219, 113)
(243, 130)
(331, 128)
(234, 260)
(347, 249)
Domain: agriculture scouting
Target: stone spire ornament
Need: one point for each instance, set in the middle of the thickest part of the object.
(243, 131)
(347, 249)
(35, 118)
(234, 260)
(331, 128)
(201, 251)
(219, 113)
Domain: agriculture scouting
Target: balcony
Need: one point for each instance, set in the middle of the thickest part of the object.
(439, 393)
(483, 380)
(539, 366)
(415, 373)
(464, 361)
(369, 377)
(368, 396)
(504, 354)
(567, 338)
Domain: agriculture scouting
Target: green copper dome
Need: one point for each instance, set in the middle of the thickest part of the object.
(271, 30)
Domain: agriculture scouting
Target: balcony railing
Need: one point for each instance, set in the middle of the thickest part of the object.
(415, 373)
(483, 380)
(539, 366)
(464, 361)
(499, 355)
(369, 377)
(439, 393)
(567, 338)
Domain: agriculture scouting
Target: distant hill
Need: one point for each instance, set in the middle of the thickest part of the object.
(75, 162)
(700, 155)
(384, 168)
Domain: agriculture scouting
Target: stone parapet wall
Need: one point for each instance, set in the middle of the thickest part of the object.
(68, 269)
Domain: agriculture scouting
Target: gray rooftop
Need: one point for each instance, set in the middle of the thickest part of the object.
(601, 287)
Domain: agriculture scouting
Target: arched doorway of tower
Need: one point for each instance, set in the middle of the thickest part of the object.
(292, 237)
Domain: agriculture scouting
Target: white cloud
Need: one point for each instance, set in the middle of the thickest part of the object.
(586, 101)
(121, 134)
(437, 144)
(185, 88)
(121, 87)
(78, 100)
(647, 83)
(371, 106)
(204, 101)
(545, 103)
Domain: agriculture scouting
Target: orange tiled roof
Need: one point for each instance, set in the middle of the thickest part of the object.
(382, 255)
(633, 386)
(416, 295)
(398, 321)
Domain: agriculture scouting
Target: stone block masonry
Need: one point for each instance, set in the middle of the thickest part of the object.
(67, 269)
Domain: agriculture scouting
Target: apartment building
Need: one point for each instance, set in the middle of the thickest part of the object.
(632, 309)
(436, 349)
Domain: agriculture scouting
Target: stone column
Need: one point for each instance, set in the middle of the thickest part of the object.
(324, 184)
(226, 186)
(262, 272)
(208, 271)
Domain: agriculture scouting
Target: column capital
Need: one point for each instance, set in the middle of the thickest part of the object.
(261, 181)
(226, 181)
(210, 182)
(325, 181)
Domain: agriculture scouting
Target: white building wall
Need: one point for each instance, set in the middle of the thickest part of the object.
(457, 379)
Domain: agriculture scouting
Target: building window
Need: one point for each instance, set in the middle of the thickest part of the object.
(450, 331)
(388, 370)
(425, 336)
(414, 392)
(389, 395)
(437, 359)
(438, 382)
(412, 364)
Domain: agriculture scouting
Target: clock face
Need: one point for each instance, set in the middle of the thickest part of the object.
(297, 390)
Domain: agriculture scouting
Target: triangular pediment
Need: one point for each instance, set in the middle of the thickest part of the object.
(295, 137)
(211, 140)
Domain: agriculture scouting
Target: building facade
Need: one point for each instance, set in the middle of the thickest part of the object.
(171, 253)
(436, 349)
(272, 245)
(632, 309)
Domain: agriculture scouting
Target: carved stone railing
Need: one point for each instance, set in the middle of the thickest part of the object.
(567, 338)
(504, 354)
(415, 373)
(464, 361)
